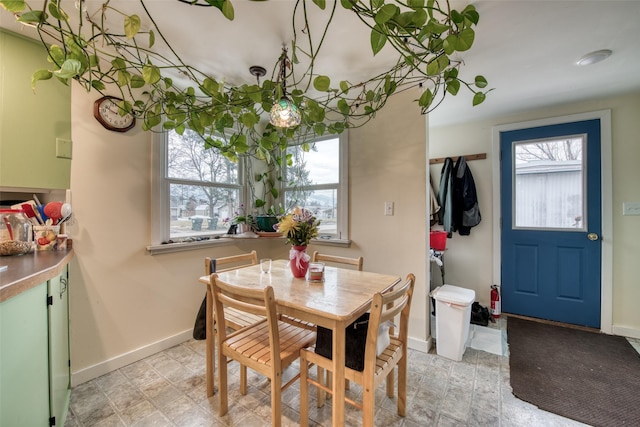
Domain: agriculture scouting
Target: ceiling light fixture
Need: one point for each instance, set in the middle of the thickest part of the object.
(258, 72)
(284, 113)
(594, 57)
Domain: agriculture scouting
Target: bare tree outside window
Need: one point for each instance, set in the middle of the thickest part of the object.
(566, 149)
(204, 185)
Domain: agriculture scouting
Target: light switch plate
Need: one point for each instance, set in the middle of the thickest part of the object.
(63, 148)
(631, 208)
(388, 208)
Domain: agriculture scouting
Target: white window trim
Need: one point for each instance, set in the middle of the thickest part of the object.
(342, 231)
(160, 201)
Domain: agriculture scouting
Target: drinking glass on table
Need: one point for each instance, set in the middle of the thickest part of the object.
(265, 265)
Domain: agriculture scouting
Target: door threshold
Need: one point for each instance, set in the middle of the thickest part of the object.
(552, 322)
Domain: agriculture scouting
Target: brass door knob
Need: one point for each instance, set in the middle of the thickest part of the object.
(593, 236)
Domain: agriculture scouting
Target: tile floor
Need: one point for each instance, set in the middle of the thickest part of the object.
(168, 389)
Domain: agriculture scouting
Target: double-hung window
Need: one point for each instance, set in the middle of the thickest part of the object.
(317, 180)
(195, 189)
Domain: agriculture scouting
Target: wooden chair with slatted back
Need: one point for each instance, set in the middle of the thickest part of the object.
(235, 319)
(385, 306)
(333, 259)
(267, 347)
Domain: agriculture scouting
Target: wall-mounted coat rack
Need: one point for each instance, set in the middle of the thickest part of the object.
(468, 157)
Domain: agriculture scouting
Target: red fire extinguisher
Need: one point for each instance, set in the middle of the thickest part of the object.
(495, 302)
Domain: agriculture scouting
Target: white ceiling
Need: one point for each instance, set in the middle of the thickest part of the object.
(526, 49)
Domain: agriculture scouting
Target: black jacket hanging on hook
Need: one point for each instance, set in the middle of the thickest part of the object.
(445, 196)
(465, 210)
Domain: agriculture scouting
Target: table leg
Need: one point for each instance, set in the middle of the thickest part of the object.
(338, 374)
(210, 344)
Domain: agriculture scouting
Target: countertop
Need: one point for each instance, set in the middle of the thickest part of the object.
(27, 271)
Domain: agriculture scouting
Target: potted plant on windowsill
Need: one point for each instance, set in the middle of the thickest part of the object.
(268, 221)
(242, 221)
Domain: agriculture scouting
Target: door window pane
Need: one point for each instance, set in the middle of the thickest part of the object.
(549, 183)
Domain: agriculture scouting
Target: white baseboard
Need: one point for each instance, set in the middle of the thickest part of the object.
(626, 331)
(91, 372)
(420, 345)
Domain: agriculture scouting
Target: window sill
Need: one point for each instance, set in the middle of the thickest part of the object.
(187, 246)
(191, 246)
(332, 242)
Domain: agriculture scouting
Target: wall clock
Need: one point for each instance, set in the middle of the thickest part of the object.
(106, 111)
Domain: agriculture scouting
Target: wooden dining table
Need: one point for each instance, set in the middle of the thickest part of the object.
(338, 301)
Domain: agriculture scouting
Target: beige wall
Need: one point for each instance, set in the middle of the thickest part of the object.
(126, 304)
(469, 262)
(388, 163)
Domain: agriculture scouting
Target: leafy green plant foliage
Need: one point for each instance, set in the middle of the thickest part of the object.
(425, 34)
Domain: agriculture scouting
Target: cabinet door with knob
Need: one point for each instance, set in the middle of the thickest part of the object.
(35, 381)
(59, 359)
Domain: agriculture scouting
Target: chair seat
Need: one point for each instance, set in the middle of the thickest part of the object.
(250, 345)
(385, 362)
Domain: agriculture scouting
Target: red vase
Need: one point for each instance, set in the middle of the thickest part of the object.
(299, 261)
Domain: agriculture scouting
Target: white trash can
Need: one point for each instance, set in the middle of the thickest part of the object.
(453, 315)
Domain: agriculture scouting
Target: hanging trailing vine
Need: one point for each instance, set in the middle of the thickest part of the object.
(425, 34)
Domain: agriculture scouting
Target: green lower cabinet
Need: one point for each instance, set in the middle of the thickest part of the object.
(24, 359)
(35, 382)
(59, 369)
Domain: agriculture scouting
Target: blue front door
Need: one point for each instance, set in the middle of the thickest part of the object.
(551, 222)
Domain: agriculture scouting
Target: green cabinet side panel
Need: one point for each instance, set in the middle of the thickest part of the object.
(30, 122)
(24, 385)
(59, 370)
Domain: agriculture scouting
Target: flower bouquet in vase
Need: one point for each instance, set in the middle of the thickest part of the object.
(299, 227)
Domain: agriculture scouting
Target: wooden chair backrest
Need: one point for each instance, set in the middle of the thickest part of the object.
(356, 262)
(386, 306)
(218, 265)
(260, 302)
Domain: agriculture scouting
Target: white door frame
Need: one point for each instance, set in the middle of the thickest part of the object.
(606, 305)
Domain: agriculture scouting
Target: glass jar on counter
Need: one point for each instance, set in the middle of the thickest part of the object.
(16, 235)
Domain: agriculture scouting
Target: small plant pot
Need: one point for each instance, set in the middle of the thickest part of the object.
(266, 222)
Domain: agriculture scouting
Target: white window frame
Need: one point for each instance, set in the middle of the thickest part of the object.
(160, 200)
(342, 226)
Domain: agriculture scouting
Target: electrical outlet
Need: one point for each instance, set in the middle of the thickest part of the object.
(631, 208)
(388, 208)
(63, 148)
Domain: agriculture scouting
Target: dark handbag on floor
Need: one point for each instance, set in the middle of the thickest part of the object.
(200, 327)
(355, 342)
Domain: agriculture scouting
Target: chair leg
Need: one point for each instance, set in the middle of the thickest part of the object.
(390, 383)
(321, 379)
(402, 386)
(211, 347)
(304, 391)
(329, 383)
(276, 401)
(223, 406)
(243, 380)
(368, 402)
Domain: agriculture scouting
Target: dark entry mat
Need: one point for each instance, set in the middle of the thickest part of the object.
(587, 376)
